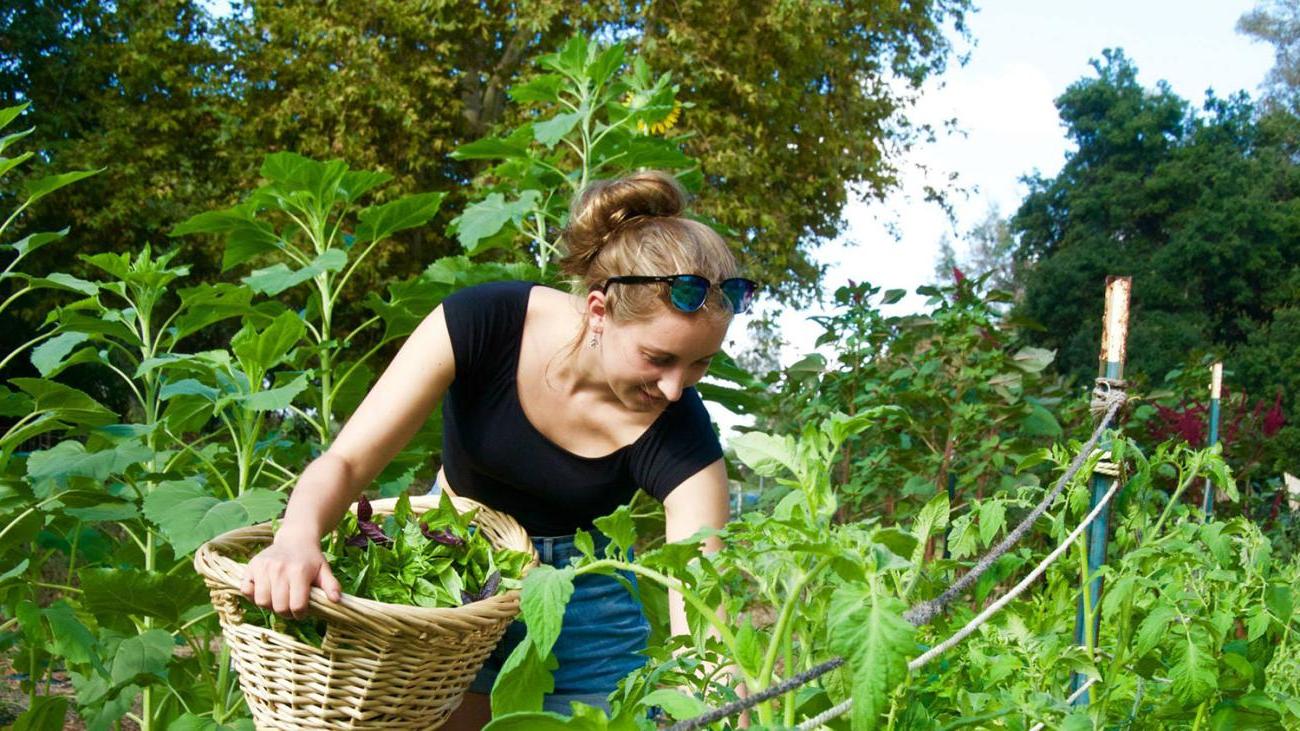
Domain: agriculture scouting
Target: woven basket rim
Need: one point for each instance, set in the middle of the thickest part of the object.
(211, 562)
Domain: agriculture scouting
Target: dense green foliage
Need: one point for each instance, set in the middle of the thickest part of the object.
(1202, 210)
(786, 103)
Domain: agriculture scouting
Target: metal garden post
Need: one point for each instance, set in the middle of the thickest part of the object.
(1216, 387)
(1114, 336)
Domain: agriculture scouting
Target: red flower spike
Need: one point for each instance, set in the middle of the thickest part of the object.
(1274, 419)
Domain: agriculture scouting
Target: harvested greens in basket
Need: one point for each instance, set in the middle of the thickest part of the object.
(434, 559)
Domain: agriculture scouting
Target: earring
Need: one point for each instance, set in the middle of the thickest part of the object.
(595, 340)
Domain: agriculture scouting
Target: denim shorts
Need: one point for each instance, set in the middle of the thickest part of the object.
(601, 639)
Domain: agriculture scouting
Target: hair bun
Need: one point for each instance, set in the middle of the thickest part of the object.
(606, 205)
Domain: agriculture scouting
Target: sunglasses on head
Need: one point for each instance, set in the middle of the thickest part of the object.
(687, 292)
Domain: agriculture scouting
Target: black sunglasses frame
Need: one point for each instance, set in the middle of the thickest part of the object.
(740, 301)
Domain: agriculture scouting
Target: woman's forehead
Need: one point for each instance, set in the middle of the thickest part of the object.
(682, 334)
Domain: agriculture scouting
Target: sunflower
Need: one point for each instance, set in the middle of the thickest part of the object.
(638, 101)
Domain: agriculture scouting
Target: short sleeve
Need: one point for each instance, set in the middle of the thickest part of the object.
(482, 320)
(681, 443)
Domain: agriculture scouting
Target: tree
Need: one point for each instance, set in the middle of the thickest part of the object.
(1202, 209)
(787, 104)
(1278, 22)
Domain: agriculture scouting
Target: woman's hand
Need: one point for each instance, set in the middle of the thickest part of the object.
(280, 578)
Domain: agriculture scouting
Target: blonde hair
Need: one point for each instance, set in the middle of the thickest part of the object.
(634, 226)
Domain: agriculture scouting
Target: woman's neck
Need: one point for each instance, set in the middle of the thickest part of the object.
(577, 365)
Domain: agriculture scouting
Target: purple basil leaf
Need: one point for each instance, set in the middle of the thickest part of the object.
(490, 586)
(358, 541)
(467, 598)
(363, 510)
(374, 533)
(446, 538)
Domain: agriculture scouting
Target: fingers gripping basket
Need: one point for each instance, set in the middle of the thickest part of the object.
(381, 665)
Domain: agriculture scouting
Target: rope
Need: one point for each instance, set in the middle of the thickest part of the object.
(743, 704)
(825, 716)
(1110, 396)
(961, 634)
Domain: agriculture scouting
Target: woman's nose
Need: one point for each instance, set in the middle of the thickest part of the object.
(670, 385)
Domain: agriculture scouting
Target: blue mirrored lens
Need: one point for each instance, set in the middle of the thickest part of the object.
(688, 292)
(740, 292)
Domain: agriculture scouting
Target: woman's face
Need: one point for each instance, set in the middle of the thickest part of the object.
(650, 362)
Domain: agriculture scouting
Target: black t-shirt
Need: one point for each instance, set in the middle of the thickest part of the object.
(493, 454)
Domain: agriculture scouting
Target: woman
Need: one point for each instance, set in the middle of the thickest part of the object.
(558, 407)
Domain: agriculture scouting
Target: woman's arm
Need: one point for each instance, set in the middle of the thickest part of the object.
(281, 576)
(700, 501)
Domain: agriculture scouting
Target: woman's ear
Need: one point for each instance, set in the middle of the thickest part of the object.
(596, 311)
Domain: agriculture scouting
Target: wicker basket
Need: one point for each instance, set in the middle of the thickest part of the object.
(381, 665)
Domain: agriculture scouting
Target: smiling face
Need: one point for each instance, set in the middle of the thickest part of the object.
(649, 362)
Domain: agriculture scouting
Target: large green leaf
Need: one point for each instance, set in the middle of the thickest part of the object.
(209, 303)
(766, 454)
(378, 222)
(1195, 672)
(294, 173)
(9, 114)
(50, 354)
(65, 402)
(932, 519)
(1033, 360)
(275, 279)
(13, 403)
(259, 351)
(526, 675)
(276, 398)
(542, 88)
(867, 629)
(188, 387)
(619, 526)
(357, 183)
(524, 680)
(9, 163)
(551, 131)
(63, 282)
(144, 656)
(72, 640)
(485, 218)
(32, 242)
(1152, 629)
(245, 236)
(48, 468)
(113, 592)
(676, 703)
(42, 187)
(46, 713)
(189, 515)
(545, 594)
